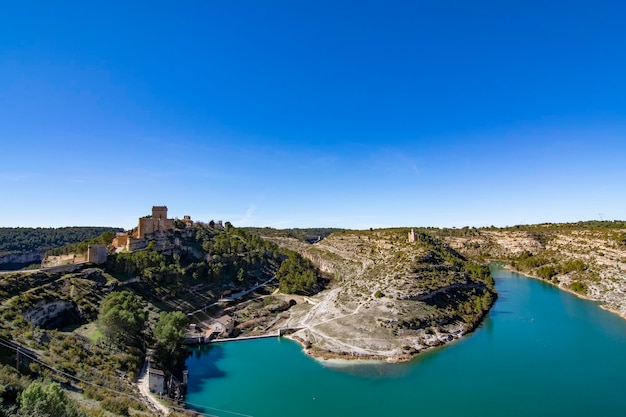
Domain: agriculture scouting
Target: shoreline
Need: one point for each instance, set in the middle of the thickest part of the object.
(338, 358)
(334, 359)
(601, 304)
(322, 355)
(326, 356)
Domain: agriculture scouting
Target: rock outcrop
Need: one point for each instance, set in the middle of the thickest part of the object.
(20, 258)
(51, 314)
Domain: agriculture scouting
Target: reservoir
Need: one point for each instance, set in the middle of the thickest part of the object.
(540, 352)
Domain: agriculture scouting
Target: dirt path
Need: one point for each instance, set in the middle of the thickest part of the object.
(309, 323)
(142, 384)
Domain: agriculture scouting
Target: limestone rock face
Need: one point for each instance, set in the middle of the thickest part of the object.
(21, 258)
(598, 254)
(49, 313)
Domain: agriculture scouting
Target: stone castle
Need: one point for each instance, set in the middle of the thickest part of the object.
(147, 228)
(158, 222)
(154, 227)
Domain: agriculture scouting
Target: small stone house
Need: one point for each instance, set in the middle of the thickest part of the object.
(156, 381)
(223, 326)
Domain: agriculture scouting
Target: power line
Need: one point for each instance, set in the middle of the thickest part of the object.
(16, 346)
(210, 408)
(58, 371)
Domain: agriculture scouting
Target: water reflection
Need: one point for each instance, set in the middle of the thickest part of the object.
(368, 369)
(203, 366)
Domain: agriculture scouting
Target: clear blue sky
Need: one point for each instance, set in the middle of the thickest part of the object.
(322, 113)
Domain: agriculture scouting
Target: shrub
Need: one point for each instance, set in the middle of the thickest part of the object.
(93, 393)
(579, 287)
(546, 272)
(574, 265)
(47, 400)
(118, 406)
(11, 384)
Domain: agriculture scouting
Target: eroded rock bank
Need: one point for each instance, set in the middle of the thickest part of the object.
(587, 258)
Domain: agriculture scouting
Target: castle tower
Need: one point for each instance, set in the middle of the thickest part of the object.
(159, 212)
(97, 254)
(157, 223)
(412, 236)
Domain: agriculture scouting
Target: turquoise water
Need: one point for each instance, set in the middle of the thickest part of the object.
(540, 352)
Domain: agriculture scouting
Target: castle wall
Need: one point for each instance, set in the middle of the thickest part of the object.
(146, 226)
(136, 244)
(120, 240)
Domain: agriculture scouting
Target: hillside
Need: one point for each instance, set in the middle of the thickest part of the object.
(21, 246)
(380, 295)
(57, 317)
(388, 298)
(588, 258)
(309, 235)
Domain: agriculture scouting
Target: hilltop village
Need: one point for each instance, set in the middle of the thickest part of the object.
(156, 227)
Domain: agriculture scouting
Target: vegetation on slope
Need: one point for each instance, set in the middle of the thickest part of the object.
(296, 275)
(81, 247)
(72, 356)
(309, 235)
(461, 290)
(98, 345)
(121, 319)
(28, 239)
(586, 257)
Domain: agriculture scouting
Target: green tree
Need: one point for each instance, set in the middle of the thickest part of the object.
(47, 401)
(121, 318)
(547, 272)
(296, 275)
(170, 336)
(479, 272)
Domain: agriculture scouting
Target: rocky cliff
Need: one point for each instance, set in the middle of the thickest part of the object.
(586, 258)
(20, 258)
